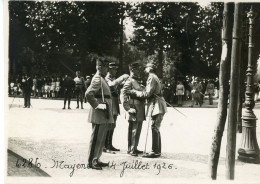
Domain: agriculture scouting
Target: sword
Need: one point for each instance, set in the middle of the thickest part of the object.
(170, 105)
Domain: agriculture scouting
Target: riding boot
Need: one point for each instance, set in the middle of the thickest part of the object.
(81, 104)
(160, 144)
(129, 136)
(112, 148)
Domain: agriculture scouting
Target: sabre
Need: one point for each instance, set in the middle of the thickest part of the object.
(170, 105)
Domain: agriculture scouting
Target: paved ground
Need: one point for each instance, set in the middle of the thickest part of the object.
(57, 140)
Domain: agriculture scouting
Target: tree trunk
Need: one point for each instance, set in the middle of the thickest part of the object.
(234, 88)
(224, 75)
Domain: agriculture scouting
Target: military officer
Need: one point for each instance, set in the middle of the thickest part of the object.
(79, 89)
(100, 115)
(156, 107)
(135, 108)
(113, 84)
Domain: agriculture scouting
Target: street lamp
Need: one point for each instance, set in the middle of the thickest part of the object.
(249, 150)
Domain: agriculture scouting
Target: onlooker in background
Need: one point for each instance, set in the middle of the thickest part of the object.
(34, 88)
(196, 93)
(68, 86)
(57, 87)
(39, 87)
(187, 86)
(79, 89)
(180, 93)
(216, 84)
(52, 88)
(210, 91)
(256, 91)
(27, 88)
(87, 83)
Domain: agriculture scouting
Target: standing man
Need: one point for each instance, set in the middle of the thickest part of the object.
(156, 107)
(68, 86)
(87, 83)
(210, 91)
(135, 108)
(113, 84)
(27, 88)
(79, 89)
(100, 115)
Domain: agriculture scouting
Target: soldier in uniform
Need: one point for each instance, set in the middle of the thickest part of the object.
(135, 108)
(87, 83)
(156, 107)
(68, 86)
(100, 115)
(113, 84)
(79, 89)
(27, 88)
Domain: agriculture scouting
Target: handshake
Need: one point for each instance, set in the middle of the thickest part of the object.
(134, 93)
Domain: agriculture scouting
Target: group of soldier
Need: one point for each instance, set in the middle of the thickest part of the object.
(103, 96)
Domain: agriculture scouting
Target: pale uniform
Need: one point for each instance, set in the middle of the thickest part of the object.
(100, 119)
(135, 120)
(156, 108)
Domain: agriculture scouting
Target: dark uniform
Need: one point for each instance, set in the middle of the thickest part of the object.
(79, 89)
(98, 93)
(27, 88)
(113, 84)
(135, 119)
(87, 83)
(68, 85)
(156, 108)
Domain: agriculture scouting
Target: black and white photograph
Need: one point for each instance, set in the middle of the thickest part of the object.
(131, 91)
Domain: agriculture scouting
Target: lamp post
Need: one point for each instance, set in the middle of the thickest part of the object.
(249, 150)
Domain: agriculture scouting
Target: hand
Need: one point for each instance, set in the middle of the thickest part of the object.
(132, 111)
(125, 76)
(101, 106)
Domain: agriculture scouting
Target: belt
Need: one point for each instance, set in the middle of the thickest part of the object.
(100, 96)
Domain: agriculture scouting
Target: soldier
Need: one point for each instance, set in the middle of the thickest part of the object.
(135, 108)
(156, 107)
(27, 88)
(68, 86)
(87, 83)
(79, 89)
(113, 84)
(210, 91)
(100, 115)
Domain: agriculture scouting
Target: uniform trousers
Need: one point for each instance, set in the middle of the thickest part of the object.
(156, 135)
(134, 131)
(110, 132)
(27, 99)
(97, 142)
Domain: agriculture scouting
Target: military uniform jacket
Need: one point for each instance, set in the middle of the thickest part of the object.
(113, 83)
(94, 97)
(156, 105)
(128, 101)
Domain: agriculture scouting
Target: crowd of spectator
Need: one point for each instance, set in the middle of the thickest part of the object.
(191, 89)
(49, 86)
